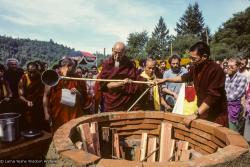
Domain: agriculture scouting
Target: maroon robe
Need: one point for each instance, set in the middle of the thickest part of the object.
(209, 83)
(120, 99)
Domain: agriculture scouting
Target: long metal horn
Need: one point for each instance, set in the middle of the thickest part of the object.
(50, 78)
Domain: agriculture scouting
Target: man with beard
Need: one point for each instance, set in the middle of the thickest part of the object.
(13, 75)
(171, 90)
(161, 70)
(209, 83)
(119, 96)
(30, 91)
(57, 111)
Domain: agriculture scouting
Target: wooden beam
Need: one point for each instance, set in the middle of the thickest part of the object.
(181, 145)
(143, 145)
(86, 136)
(95, 136)
(185, 155)
(151, 148)
(165, 141)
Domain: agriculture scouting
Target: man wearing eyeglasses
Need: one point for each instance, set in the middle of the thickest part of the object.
(209, 82)
(235, 85)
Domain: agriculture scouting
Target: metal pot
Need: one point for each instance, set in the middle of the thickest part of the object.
(9, 126)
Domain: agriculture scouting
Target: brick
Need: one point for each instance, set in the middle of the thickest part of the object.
(173, 117)
(236, 140)
(200, 150)
(218, 142)
(205, 126)
(180, 126)
(202, 146)
(154, 114)
(221, 133)
(182, 132)
(137, 127)
(201, 133)
(203, 141)
(139, 132)
(179, 136)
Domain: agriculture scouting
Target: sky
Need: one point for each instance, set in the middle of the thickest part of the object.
(91, 25)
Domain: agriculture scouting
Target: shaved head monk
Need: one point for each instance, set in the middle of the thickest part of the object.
(119, 96)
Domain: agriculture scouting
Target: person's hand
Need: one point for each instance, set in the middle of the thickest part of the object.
(187, 121)
(127, 81)
(160, 81)
(74, 91)
(30, 104)
(175, 95)
(47, 116)
(152, 83)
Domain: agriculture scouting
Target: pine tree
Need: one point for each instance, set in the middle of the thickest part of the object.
(192, 22)
(159, 40)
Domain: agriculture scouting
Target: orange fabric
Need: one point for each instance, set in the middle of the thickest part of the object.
(60, 113)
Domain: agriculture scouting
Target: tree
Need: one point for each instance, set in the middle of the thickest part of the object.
(192, 22)
(161, 37)
(183, 42)
(136, 44)
(235, 33)
(153, 48)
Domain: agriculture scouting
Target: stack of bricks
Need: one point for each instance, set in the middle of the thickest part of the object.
(217, 144)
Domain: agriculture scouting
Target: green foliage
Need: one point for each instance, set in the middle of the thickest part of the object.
(26, 50)
(159, 42)
(220, 51)
(192, 22)
(235, 34)
(183, 42)
(136, 44)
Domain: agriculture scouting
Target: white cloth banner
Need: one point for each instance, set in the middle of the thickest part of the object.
(179, 105)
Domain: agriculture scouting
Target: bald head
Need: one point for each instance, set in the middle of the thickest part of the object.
(150, 66)
(118, 51)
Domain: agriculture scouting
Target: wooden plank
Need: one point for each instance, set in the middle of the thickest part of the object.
(122, 152)
(165, 141)
(116, 145)
(182, 146)
(139, 132)
(185, 155)
(170, 151)
(151, 148)
(105, 133)
(86, 136)
(95, 136)
(143, 145)
(137, 152)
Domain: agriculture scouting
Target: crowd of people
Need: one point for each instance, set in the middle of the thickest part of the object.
(222, 88)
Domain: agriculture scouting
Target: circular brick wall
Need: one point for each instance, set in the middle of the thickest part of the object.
(217, 144)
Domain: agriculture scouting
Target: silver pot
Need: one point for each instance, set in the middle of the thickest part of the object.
(9, 126)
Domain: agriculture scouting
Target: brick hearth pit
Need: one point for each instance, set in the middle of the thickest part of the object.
(217, 144)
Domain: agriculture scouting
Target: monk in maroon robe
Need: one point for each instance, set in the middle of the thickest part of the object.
(119, 96)
(60, 113)
(30, 91)
(209, 82)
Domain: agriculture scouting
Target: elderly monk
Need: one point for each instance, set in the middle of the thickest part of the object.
(60, 113)
(30, 91)
(119, 96)
(153, 99)
(209, 82)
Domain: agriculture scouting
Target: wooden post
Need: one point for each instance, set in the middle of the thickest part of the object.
(86, 136)
(95, 136)
(143, 145)
(165, 141)
(116, 145)
(151, 148)
(181, 146)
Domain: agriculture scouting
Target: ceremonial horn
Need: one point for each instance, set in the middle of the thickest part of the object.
(51, 78)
